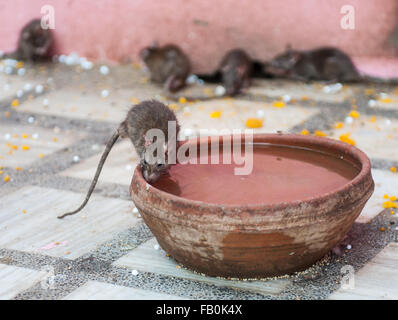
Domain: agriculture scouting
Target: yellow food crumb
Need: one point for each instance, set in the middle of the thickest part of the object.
(134, 100)
(390, 204)
(182, 100)
(369, 91)
(7, 114)
(278, 104)
(215, 114)
(136, 65)
(18, 168)
(319, 133)
(174, 106)
(6, 178)
(13, 147)
(19, 64)
(23, 211)
(393, 198)
(24, 136)
(373, 119)
(25, 147)
(305, 132)
(392, 212)
(254, 123)
(1, 172)
(41, 155)
(386, 100)
(393, 169)
(67, 252)
(346, 138)
(15, 103)
(386, 196)
(208, 92)
(339, 125)
(354, 114)
(304, 98)
(55, 139)
(382, 229)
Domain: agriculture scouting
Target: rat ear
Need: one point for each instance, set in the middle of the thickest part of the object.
(294, 56)
(240, 70)
(174, 83)
(25, 35)
(145, 52)
(154, 44)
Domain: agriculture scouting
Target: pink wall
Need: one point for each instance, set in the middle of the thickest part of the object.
(115, 29)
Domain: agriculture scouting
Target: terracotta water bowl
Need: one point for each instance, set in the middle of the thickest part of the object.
(257, 240)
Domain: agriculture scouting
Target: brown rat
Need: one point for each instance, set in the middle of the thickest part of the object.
(168, 65)
(34, 43)
(327, 63)
(236, 68)
(140, 119)
(235, 72)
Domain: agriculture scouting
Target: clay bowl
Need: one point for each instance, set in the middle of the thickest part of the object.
(256, 241)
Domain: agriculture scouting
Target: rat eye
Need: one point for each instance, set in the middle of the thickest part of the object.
(160, 165)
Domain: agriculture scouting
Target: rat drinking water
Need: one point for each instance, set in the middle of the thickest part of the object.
(234, 71)
(329, 64)
(34, 43)
(140, 119)
(167, 65)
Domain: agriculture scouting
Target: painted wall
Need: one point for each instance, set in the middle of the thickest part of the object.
(117, 29)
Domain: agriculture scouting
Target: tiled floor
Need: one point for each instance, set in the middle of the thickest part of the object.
(106, 251)
(377, 280)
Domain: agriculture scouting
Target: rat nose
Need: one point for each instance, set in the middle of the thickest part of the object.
(153, 177)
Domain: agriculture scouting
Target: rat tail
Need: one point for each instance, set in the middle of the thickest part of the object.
(16, 55)
(191, 99)
(108, 148)
(371, 79)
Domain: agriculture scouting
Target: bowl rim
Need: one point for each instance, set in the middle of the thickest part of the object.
(353, 151)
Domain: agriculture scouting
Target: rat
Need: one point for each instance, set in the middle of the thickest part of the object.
(234, 71)
(327, 63)
(147, 115)
(168, 65)
(34, 43)
(236, 68)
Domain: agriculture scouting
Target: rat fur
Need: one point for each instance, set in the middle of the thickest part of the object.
(167, 65)
(234, 72)
(325, 64)
(140, 119)
(34, 43)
